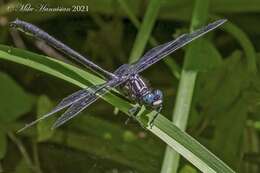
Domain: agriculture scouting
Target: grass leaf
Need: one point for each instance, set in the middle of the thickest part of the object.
(170, 62)
(44, 105)
(145, 30)
(186, 85)
(163, 128)
(13, 96)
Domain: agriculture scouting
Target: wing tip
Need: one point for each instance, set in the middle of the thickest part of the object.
(35, 121)
(218, 22)
(54, 126)
(222, 21)
(22, 129)
(60, 121)
(57, 124)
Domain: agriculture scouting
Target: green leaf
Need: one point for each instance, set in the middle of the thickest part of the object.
(3, 144)
(188, 147)
(204, 55)
(44, 105)
(14, 100)
(222, 101)
(22, 167)
(222, 87)
(163, 128)
(245, 43)
(169, 61)
(229, 146)
(188, 169)
(145, 30)
(182, 107)
(48, 65)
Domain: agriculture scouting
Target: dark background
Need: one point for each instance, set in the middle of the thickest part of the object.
(225, 109)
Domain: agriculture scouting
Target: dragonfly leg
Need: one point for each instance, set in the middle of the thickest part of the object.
(155, 116)
(132, 111)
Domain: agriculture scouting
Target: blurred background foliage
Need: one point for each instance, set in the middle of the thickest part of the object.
(225, 108)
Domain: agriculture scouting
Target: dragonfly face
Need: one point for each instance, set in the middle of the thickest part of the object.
(153, 99)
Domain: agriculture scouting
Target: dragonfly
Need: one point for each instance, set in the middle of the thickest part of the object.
(126, 77)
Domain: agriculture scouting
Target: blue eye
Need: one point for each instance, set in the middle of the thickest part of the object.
(158, 94)
(148, 98)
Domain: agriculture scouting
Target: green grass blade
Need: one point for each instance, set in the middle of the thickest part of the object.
(44, 132)
(185, 90)
(163, 128)
(45, 64)
(170, 62)
(145, 30)
(177, 139)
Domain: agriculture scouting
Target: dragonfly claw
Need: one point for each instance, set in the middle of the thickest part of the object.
(151, 124)
(133, 112)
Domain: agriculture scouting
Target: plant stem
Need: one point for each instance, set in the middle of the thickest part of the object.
(185, 91)
(36, 156)
(23, 152)
(168, 132)
(180, 118)
(169, 61)
(145, 30)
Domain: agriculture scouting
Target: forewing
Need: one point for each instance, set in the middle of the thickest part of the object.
(154, 51)
(161, 51)
(71, 99)
(77, 107)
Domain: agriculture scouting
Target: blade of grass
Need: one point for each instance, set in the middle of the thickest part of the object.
(163, 128)
(48, 65)
(176, 138)
(23, 152)
(145, 30)
(185, 90)
(170, 62)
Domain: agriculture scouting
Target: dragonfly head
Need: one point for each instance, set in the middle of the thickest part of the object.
(153, 99)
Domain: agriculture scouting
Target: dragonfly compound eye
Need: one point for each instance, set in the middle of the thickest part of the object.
(148, 98)
(157, 98)
(158, 95)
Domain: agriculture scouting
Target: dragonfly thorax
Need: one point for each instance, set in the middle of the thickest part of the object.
(138, 90)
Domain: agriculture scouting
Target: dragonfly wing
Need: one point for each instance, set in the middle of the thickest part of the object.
(154, 51)
(71, 99)
(75, 97)
(122, 69)
(161, 51)
(77, 107)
